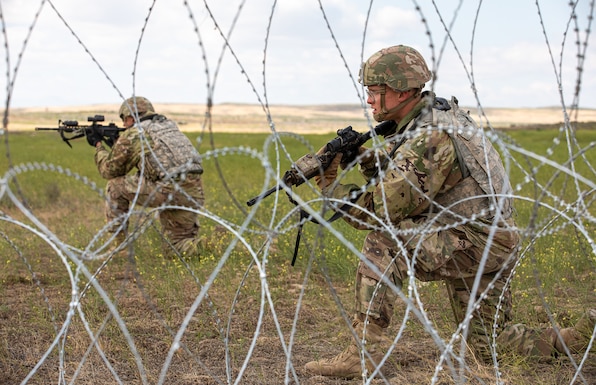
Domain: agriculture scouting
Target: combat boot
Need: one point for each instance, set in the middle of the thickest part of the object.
(576, 338)
(348, 364)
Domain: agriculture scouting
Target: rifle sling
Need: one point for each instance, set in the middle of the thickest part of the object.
(303, 216)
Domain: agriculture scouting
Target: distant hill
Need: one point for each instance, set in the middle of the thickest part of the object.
(300, 119)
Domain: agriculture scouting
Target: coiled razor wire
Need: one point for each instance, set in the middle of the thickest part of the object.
(256, 236)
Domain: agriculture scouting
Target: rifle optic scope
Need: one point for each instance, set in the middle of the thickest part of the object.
(96, 118)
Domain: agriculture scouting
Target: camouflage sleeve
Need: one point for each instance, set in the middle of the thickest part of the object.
(416, 174)
(124, 156)
(368, 169)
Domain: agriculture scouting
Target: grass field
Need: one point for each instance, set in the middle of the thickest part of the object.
(231, 330)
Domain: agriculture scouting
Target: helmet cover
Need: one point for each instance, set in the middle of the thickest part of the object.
(399, 67)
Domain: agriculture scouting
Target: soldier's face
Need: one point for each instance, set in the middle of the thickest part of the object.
(128, 121)
(380, 103)
(374, 94)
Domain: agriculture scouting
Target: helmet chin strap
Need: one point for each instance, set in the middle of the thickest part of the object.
(379, 117)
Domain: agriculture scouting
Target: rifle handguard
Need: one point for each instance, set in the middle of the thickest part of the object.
(306, 167)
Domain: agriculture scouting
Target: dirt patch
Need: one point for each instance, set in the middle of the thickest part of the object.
(226, 339)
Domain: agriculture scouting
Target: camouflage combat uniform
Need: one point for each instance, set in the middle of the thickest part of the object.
(438, 204)
(169, 175)
(447, 200)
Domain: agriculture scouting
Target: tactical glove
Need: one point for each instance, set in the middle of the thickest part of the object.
(364, 156)
(93, 137)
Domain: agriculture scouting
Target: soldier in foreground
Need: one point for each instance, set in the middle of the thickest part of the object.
(168, 172)
(442, 209)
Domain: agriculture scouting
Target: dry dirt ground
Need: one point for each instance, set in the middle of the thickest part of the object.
(27, 330)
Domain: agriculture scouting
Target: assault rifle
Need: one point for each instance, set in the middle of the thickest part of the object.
(109, 132)
(347, 142)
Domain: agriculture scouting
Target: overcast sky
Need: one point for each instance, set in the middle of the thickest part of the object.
(89, 52)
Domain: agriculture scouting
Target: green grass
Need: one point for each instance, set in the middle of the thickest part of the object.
(231, 178)
(559, 260)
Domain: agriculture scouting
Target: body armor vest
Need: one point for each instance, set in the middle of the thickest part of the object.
(172, 155)
(485, 186)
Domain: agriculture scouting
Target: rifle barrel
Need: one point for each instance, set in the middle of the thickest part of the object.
(63, 129)
(253, 201)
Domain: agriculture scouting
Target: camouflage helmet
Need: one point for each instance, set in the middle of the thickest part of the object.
(399, 67)
(143, 107)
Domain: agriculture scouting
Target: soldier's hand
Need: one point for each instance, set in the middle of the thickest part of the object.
(330, 174)
(93, 137)
(364, 156)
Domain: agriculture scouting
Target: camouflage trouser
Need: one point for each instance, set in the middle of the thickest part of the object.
(454, 256)
(179, 226)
